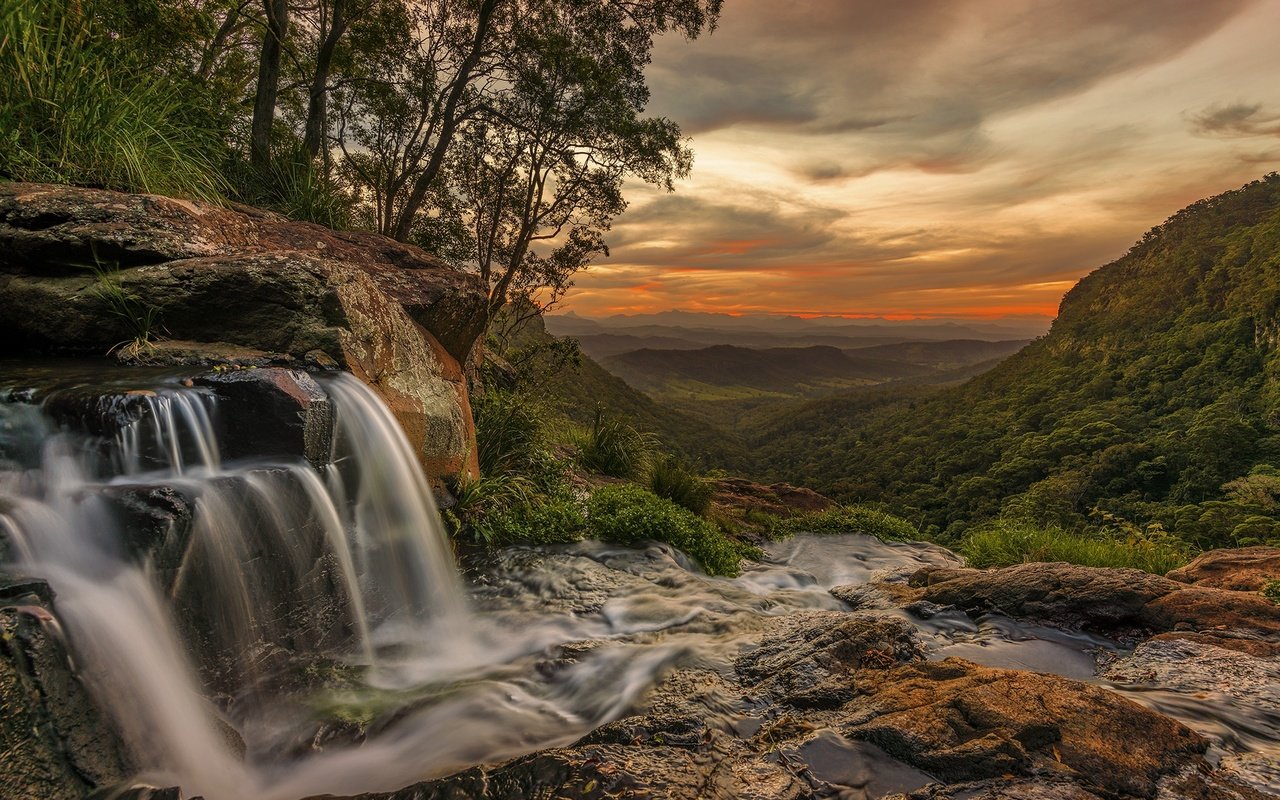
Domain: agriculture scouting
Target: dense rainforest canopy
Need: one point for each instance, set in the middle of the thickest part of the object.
(1152, 403)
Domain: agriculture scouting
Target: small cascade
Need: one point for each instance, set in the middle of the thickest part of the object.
(174, 432)
(240, 573)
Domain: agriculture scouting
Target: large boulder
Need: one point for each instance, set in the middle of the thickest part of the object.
(959, 721)
(1112, 601)
(1244, 569)
(391, 314)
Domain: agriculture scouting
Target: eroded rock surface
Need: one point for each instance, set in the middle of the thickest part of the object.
(1244, 569)
(249, 285)
(836, 704)
(1123, 601)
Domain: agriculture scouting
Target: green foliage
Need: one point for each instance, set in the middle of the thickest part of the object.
(614, 448)
(544, 520)
(629, 514)
(510, 432)
(1155, 397)
(1271, 590)
(523, 492)
(845, 519)
(81, 103)
(294, 186)
(1004, 543)
(672, 479)
(489, 495)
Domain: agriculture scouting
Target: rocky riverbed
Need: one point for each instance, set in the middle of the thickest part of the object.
(921, 679)
(841, 667)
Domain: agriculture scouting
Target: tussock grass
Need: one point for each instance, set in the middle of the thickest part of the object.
(1005, 543)
(672, 479)
(614, 448)
(74, 109)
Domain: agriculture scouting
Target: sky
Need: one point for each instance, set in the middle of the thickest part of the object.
(936, 158)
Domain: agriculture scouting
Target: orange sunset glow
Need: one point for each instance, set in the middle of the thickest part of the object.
(934, 158)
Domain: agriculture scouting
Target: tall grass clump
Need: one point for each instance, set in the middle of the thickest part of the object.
(612, 447)
(140, 318)
(293, 185)
(77, 106)
(522, 494)
(672, 479)
(630, 514)
(1004, 543)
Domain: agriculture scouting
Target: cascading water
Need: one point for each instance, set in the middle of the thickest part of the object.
(277, 561)
(273, 629)
(212, 628)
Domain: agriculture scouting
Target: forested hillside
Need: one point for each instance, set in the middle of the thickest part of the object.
(572, 386)
(1153, 399)
(728, 372)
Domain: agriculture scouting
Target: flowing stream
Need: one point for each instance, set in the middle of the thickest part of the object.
(309, 632)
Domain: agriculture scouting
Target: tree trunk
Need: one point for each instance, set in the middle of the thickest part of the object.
(318, 101)
(403, 224)
(264, 103)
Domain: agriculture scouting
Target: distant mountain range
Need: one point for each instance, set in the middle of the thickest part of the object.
(727, 372)
(702, 323)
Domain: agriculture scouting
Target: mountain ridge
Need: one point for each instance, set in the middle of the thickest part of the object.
(1157, 386)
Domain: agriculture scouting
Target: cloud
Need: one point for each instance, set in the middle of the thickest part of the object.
(680, 230)
(912, 84)
(1238, 120)
(936, 156)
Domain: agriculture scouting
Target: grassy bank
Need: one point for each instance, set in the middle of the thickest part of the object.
(1002, 544)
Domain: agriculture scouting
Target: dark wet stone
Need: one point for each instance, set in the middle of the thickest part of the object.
(98, 413)
(55, 742)
(272, 412)
(156, 522)
(809, 660)
(846, 764)
(22, 590)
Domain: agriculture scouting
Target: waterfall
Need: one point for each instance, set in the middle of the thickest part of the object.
(261, 563)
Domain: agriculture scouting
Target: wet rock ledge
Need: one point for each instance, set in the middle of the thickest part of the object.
(242, 287)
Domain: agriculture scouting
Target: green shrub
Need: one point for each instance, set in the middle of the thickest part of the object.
(845, 519)
(1271, 590)
(612, 447)
(670, 478)
(630, 514)
(78, 106)
(481, 497)
(1003, 543)
(551, 520)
